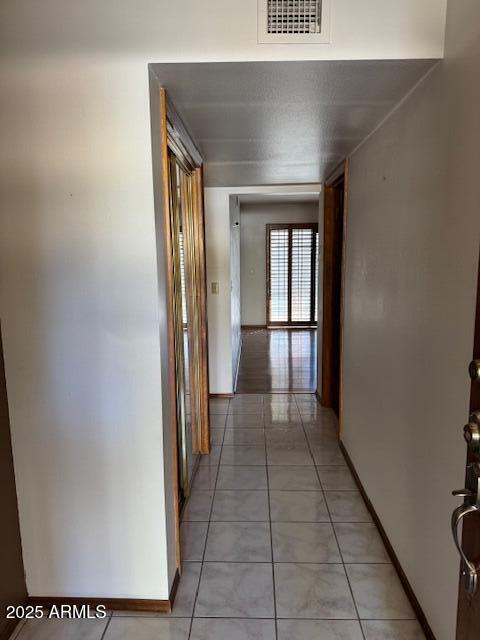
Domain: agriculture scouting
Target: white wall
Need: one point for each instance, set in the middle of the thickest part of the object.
(218, 247)
(412, 259)
(80, 327)
(254, 218)
(162, 31)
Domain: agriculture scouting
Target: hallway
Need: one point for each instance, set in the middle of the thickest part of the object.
(283, 536)
(278, 361)
(277, 543)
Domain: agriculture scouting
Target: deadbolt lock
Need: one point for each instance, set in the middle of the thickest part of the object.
(471, 431)
(474, 370)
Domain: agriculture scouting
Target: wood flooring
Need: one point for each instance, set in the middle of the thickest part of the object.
(278, 361)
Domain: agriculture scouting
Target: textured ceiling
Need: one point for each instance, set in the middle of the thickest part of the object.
(297, 198)
(283, 122)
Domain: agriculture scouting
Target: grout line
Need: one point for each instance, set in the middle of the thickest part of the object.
(206, 539)
(271, 539)
(334, 532)
(110, 618)
(294, 522)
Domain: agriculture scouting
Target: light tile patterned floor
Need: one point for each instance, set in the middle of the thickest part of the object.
(276, 541)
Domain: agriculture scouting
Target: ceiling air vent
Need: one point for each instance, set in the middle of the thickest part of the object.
(294, 21)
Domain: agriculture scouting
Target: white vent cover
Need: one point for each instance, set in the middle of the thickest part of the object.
(294, 21)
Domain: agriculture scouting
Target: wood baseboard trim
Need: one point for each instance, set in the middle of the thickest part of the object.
(221, 396)
(393, 556)
(114, 604)
(174, 589)
(7, 631)
(253, 326)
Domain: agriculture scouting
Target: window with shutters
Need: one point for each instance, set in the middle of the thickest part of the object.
(292, 274)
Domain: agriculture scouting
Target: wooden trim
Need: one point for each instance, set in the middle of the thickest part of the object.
(292, 325)
(237, 365)
(199, 217)
(293, 225)
(346, 177)
(253, 326)
(114, 604)
(391, 552)
(174, 138)
(180, 136)
(174, 589)
(468, 610)
(337, 174)
(222, 396)
(7, 632)
(172, 384)
(334, 221)
(327, 356)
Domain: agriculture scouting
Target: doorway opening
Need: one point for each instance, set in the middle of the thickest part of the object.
(179, 222)
(334, 227)
(279, 265)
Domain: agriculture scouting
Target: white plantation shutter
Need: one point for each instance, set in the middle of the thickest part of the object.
(292, 274)
(279, 269)
(316, 276)
(182, 278)
(301, 275)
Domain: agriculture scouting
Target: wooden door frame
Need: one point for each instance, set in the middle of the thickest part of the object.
(341, 173)
(169, 133)
(468, 612)
(314, 288)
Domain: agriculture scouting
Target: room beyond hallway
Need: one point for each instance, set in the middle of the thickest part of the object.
(278, 361)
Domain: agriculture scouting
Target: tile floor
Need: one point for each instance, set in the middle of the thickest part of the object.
(276, 541)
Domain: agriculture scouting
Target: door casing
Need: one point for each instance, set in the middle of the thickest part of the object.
(170, 135)
(334, 254)
(468, 616)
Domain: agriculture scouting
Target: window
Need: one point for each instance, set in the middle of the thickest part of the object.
(292, 274)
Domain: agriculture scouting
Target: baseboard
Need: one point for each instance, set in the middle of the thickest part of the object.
(221, 396)
(393, 556)
(114, 604)
(174, 589)
(253, 326)
(237, 366)
(7, 631)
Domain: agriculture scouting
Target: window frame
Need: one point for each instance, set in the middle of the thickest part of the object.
(313, 226)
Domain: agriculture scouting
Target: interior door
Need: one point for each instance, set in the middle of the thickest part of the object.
(181, 271)
(333, 241)
(468, 624)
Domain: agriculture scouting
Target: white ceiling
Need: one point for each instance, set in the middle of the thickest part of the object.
(283, 122)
